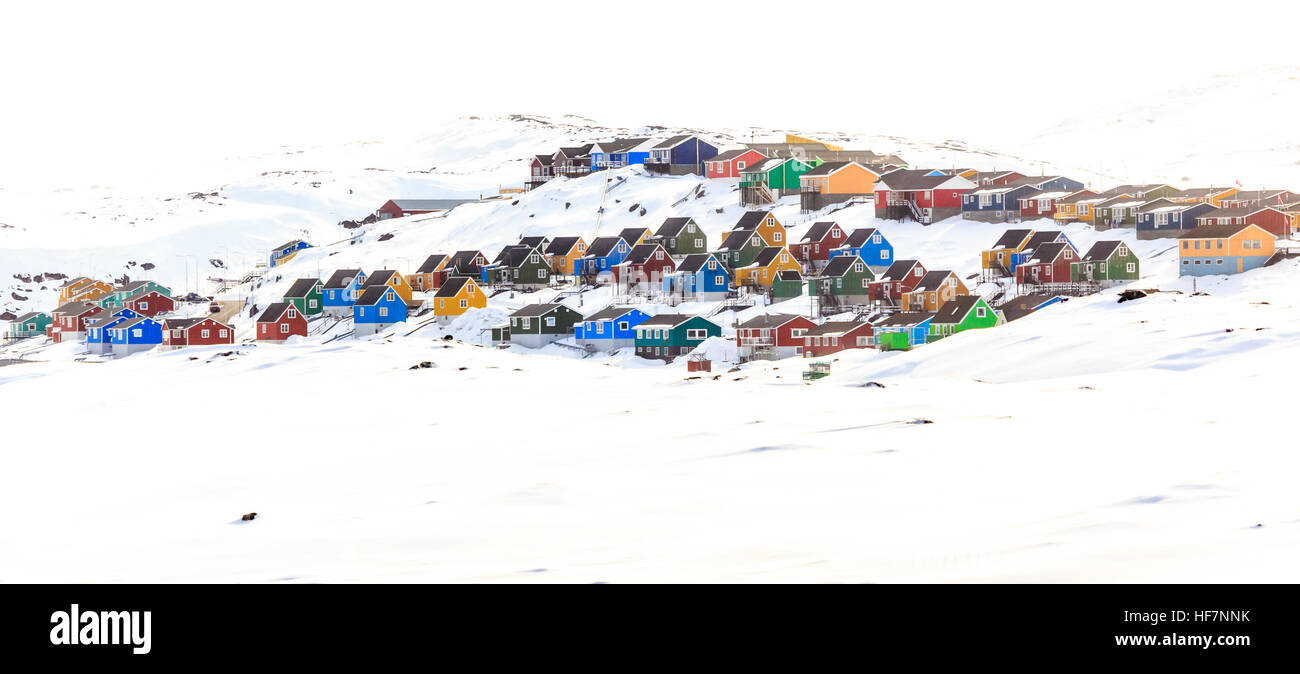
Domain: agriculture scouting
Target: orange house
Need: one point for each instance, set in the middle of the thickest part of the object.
(563, 253)
(635, 236)
(458, 295)
(770, 261)
(834, 182)
(92, 292)
(70, 289)
(392, 279)
(934, 290)
(765, 224)
(427, 277)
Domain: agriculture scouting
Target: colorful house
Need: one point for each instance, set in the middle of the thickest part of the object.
(467, 263)
(1275, 221)
(835, 182)
(1051, 183)
(519, 265)
(135, 335)
(699, 277)
(1002, 258)
(680, 155)
(1169, 219)
(536, 325)
(899, 279)
(305, 296)
(814, 249)
(380, 307)
(30, 324)
(122, 293)
(563, 254)
(644, 269)
(765, 182)
(98, 339)
(996, 178)
(401, 208)
(1123, 211)
(846, 280)
(603, 254)
(995, 202)
(763, 223)
(666, 336)
(150, 303)
(1077, 207)
(541, 170)
(390, 279)
(835, 336)
(92, 293)
(968, 312)
(913, 194)
(1148, 191)
(618, 153)
(680, 236)
(1042, 204)
(1223, 249)
(72, 287)
(763, 270)
(609, 329)
(1250, 198)
(788, 284)
(772, 336)
(1049, 263)
(933, 290)
(429, 275)
(202, 331)
(1204, 195)
(902, 331)
(457, 295)
(740, 248)
(279, 322)
(635, 236)
(1107, 262)
(68, 321)
(572, 162)
(731, 163)
(341, 291)
(869, 244)
(286, 251)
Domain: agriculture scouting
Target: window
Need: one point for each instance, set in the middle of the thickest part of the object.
(442, 304)
(144, 306)
(857, 266)
(979, 312)
(1123, 252)
(1186, 245)
(293, 314)
(523, 322)
(550, 321)
(719, 280)
(263, 326)
(541, 273)
(1250, 244)
(383, 311)
(205, 333)
(1133, 267)
(916, 272)
(740, 165)
(699, 243)
(695, 334)
(1219, 261)
(776, 236)
(311, 304)
(284, 328)
(952, 282)
(622, 325)
(223, 333)
(712, 265)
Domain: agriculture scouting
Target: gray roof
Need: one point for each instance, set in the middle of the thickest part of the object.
(1023, 306)
(451, 287)
(738, 239)
(273, 312)
(933, 280)
(767, 255)
(672, 226)
(538, 309)
(955, 309)
(430, 263)
(561, 245)
(898, 270)
(750, 220)
(302, 287)
(1048, 252)
(430, 204)
(630, 234)
(74, 308)
(696, 261)
(905, 318)
(728, 155)
(914, 179)
(341, 278)
(859, 237)
(641, 253)
(768, 321)
(609, 313)
(372, 294)
(841, 264)
(835, 328)
(1213, 231)
(28, 315)
(819, 231)
(181, 323)
(1012, 238)
(1102, 250)
(602, 246)
(462, 259)
(673, 142)
(665, 319)
(380, 278)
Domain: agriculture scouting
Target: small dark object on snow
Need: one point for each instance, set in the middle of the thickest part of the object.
(462, 368)
(872, 384)
(566, 205)
(717, 377)
(516, 203)
(224, 354)
(194, 357)
(642, 211)
(385, 237)
(1227, 329)
(447, 338)
(1258, 329)
(424, 364)
(1087, 388)
(690, 378)
(248, 517)
(1259, 526)
(146, 266)
(532, 215)
(734, 369)
(1131, 295)
(633, 207)
(920, 421)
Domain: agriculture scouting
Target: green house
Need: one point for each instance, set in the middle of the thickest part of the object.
(964, 312)
(680, 237)
(667, 336)
(1122, 211)
(1106, 261)
(843, 279)
(305, 296)
(537, 325)
(788, 283)
(31, 324)
(776, 174)
(519, 265)
(120, 294)
(740, 248)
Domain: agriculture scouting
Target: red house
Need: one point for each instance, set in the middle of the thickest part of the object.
(202, 331)
(995, 178)
(1272, 220)
(772, 335)
(901, 277)
(817, 243)
(835, 336)
(400, 208)
(69, 320)
(644, 267)
(1043, 204)
(1049, 263)
(279, 322)
(150, 304)
(920, 195)
(729, 164)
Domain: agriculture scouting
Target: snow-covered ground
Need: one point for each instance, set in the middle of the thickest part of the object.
(1092, 441)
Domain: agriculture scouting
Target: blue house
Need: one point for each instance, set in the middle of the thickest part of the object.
(1052, 183)
(341, 291)
(285, 252)
(609, 329)
(699, 277)
(995, 203)
(98, 340)
(869, 244)
(903, 330)
(378, 308)
(603, 254)
(134, 335)
(680, 155)
(1174, 219)
(620, 152)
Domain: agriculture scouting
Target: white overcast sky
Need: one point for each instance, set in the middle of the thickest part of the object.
(95, 84)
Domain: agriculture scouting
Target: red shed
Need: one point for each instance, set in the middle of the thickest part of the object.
(818, 242)
(901, 277)
(279, 322)
(834, 336)
(150, 303)
(729, 164)
(1049, 263)
(202, 331)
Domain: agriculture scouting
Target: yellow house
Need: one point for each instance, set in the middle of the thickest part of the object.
(92, 292)
(392, 279)
(934, 290)
(765, 224)
(425, 278)
(792, 139)
(1000, 256)
(70, 289)
(1078, 207)
(563, 253)
(770, 261)
(458, 295)
(635, 236)
(1207, 195)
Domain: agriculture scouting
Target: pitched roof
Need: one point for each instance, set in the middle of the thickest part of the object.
(933, 280)
(859, 237)
(763, 166)
(1012, 238)
(840, 265)
(695, 262)
(835, 328)
(665, 319)
(955, 309)
(789, 275)
(290, 244)
(515, 256)
(898, 270)
(750, 220)
(430, 204)
(181, 323)
(641, 253)
(1048, 252)
(610, 313)
(1226, 213)
(28, 315)
(302, 287)
(672, 226)
(132, 322)
(768, 255)
(342, 277)
(372, 294)
(561, 245)
(1023, 306)
(464, 258)
(545, 159)
(379, 278)
(74, 308)
(819, 231)
(630, 234)
(533, 241)
(1040, 239)
(830, 167)
(737, 239)
(1214, 231)
(1102, 250)
(272, 313)
(619, 144)
(429, 265)
(1201, 192)
(768, 321)
(673, 142)
(451, 287)
(906, 318)
(728, 155)
(603, 246)
(915, 179)
(131, 286)
(537, 309)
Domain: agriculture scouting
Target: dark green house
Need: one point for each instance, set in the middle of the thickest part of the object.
(680, 237)
(964, 312)
(788, 283)
(537, 325)
(519, 265)
(31, 324)
(305, 296)
(1106, 261)
(740, 248)
(666, 336)
(843, 281)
